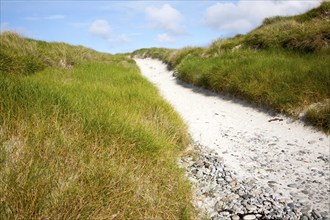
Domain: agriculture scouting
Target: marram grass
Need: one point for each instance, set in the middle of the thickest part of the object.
(93, 141)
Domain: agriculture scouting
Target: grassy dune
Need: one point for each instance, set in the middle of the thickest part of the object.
(87, 139)
(283, 64)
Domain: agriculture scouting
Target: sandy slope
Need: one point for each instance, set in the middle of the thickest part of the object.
(295, 156)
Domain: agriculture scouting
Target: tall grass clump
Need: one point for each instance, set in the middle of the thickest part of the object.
(93, 141)
(292, 35)
(320, 116)
(283, 65)
(25, 56)
(307, 32)
(273, 78)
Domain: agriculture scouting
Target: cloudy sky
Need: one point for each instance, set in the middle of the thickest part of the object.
(124, 26)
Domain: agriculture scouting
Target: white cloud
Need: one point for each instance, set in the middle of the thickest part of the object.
(241, 17)
(100, 28)
(166, 18)
(165, 38)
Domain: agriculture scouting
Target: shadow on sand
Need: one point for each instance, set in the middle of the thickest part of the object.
(227, 97)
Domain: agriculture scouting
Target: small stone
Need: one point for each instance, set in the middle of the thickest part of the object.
(233, 183)
(304, 217)
(249, 217)
(206, 164)
(219, 206)
(237, 209)
(293, 185)
(272, 182)
(235, 217)
(251, 207)
(199, 174)
(305, 192)
(291, 205)
(246, 196)
(228, 179)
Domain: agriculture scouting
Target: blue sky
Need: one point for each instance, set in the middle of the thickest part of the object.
(124, 26)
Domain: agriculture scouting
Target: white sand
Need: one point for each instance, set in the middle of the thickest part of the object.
(286, 152)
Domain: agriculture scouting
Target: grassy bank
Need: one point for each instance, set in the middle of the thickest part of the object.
(90, 139)
(283, 65)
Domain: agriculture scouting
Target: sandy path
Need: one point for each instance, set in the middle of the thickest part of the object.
(294, 157)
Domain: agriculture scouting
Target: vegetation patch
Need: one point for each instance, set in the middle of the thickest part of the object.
(91, 139)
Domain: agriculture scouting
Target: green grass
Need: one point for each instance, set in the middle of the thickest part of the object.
(307, 32)
(93, 141)
(25, 56)
(283, 64)
(273, 78)
(320, 116)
